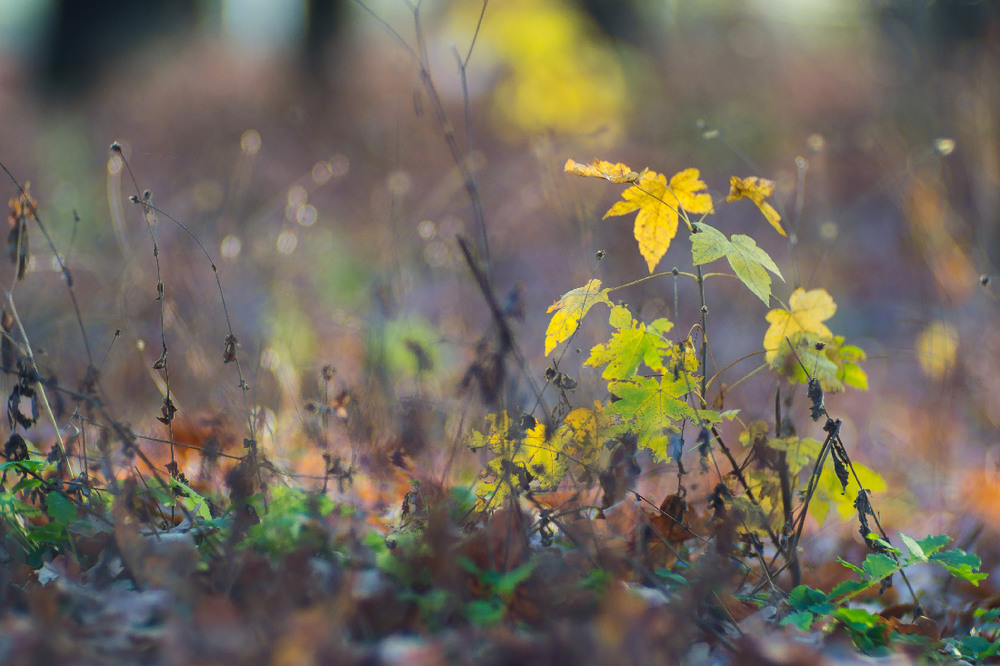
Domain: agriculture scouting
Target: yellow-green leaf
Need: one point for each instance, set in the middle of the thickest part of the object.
(630, 346)
(649, 405)
(582, 432)
(800, 453)
(749, 262)
(526, 457)
(570, 309)
(805, 354)
(620, 317)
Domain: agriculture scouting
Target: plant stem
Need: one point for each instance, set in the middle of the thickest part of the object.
(704, 339)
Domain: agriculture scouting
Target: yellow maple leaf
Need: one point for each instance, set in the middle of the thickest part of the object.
(658, 204)
(807, 312)
(756, 190)
(616, 173)
(570, 309)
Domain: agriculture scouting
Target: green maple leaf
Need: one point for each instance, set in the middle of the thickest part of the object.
(750, 263)
(633, 343)
(877, 566)
(649, 405)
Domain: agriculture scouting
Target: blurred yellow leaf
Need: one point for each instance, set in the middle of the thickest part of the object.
(800, 453)
(616, 173)
(658, 204)
(553, 71)
(582, 433)
(756, 190)
(830, 494)
(808, 311)
(570, 309)
(937, 348)
(525, 458)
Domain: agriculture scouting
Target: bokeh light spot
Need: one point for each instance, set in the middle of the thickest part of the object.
(829, 230)
(250, 142)
(944, 146)
(399, 182)
(436, 254)
(426, 230)
(816, 143)
(306, 215)
(322, 172)
(297, 196)
(231, 246)
(340, 165)
(287, 242)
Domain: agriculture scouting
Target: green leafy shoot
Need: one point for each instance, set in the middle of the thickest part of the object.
(869, 630)
(750, 263)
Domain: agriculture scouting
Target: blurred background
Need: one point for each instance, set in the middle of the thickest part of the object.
(297, 141)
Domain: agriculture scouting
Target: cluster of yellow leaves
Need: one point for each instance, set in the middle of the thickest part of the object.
(581, 433)
(661, 205)
(800, 345)
(529, 457)
(522, 456)
(649, 407)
